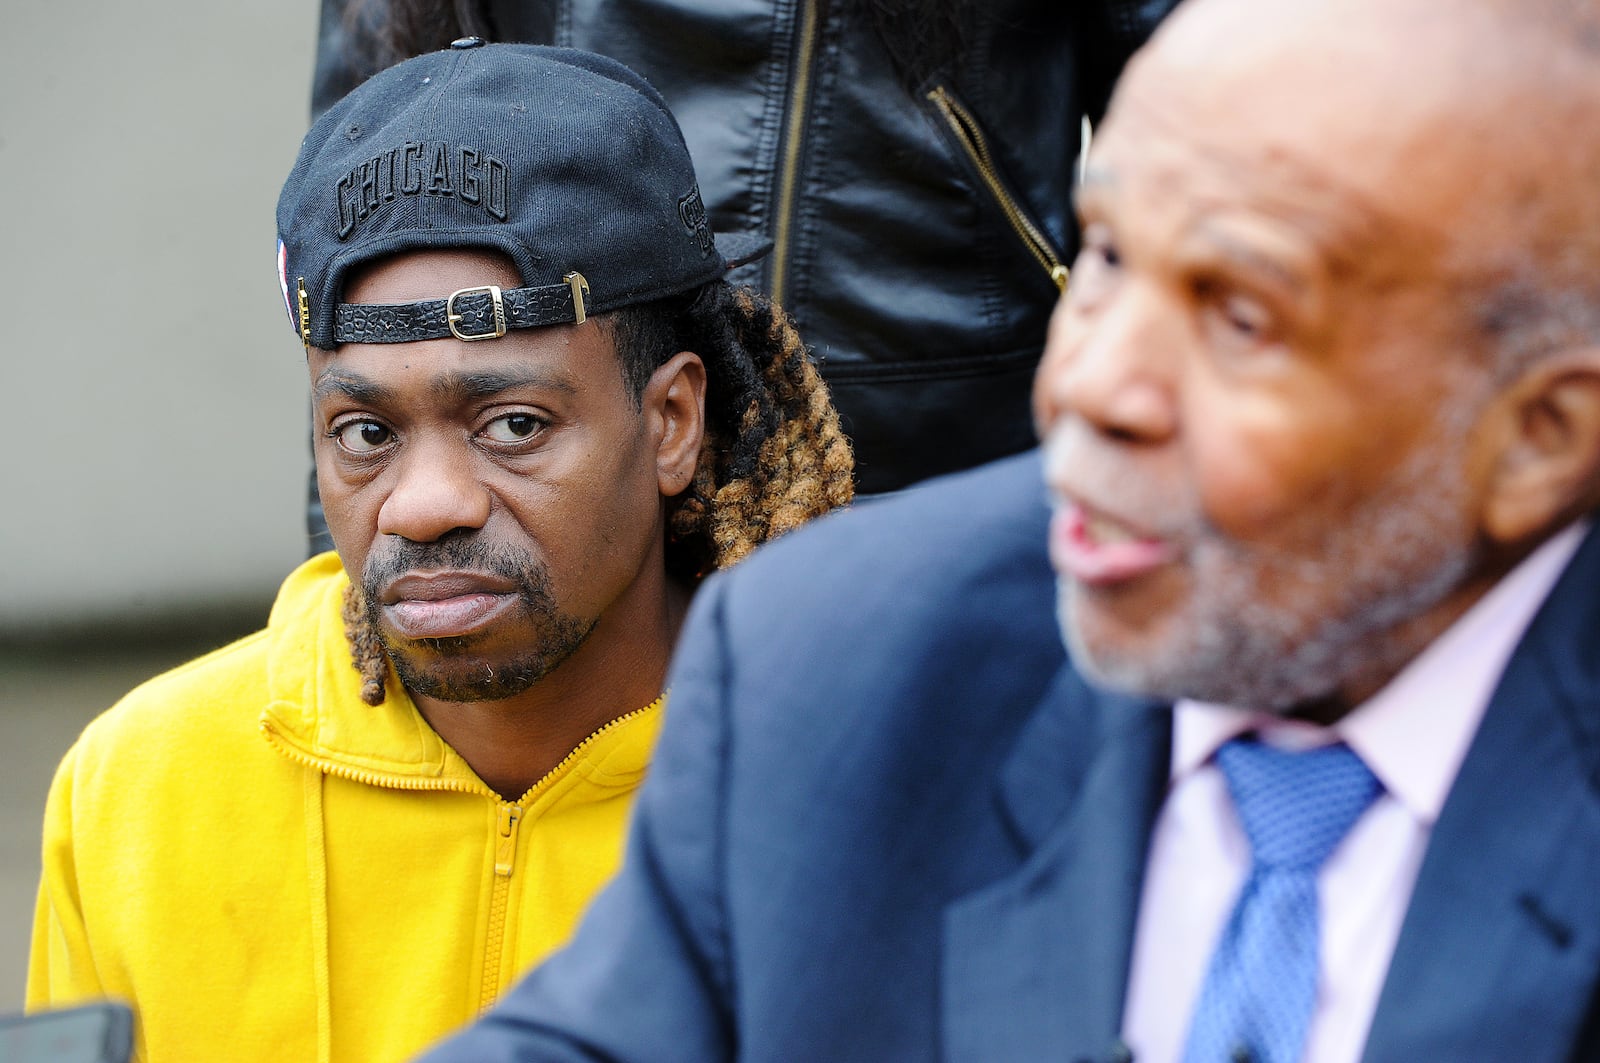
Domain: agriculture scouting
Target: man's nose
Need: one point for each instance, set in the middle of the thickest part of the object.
(435, 492)
(1114, 365)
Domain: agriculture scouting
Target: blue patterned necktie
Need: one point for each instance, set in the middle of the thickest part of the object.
(1259, 990)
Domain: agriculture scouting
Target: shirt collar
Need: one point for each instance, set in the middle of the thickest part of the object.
(1414, 732)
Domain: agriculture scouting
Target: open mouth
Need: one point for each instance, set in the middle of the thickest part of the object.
(1099, 550)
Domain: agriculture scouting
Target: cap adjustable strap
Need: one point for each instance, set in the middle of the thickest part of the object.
(481, 313)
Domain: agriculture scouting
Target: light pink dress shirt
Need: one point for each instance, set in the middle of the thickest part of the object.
(1413, 735)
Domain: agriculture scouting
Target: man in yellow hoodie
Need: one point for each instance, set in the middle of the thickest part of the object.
(541, 415)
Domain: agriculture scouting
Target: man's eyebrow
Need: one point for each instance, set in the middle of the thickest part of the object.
(1097, 182)
(1242, 253)
(1092, 186)
(483, 384)
(452, 387)
(355, 387)
(1097, 175)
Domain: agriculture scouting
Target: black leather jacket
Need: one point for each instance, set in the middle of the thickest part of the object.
(920, 231)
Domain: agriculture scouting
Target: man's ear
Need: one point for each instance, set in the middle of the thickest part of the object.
(1547, 469)
(674, 406)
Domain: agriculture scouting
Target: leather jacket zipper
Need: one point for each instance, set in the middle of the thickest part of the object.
(970, 135)
(794, 127)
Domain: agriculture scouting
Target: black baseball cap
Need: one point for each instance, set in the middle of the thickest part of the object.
(566, 161)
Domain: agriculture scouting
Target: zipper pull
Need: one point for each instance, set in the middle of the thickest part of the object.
(964, 126)
(505, 852)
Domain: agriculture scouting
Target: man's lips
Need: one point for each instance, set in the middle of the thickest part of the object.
(445, 604)
(1099, 551)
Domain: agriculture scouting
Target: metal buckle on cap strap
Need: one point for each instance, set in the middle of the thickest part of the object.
(496, 302)
(305, 311)
(580, 288)
(487, 313)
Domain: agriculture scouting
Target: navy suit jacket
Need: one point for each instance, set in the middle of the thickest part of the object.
(886, 823)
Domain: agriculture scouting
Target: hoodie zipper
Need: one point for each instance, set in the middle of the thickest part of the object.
(508, 820)
(970, 135)
(793, 142)
(507, 817)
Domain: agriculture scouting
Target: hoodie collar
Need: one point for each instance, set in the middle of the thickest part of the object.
(315, 714)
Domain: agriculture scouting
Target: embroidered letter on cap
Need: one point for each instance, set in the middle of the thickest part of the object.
(461, 173)
(692, 212)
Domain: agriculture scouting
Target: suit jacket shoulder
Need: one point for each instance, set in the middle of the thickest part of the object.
(1499, 953)
(840, 707)
(962, 551)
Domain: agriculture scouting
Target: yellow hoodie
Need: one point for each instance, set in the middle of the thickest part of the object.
(269, 869)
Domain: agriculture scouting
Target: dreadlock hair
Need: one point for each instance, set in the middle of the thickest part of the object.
(366, 648)
(774, 455)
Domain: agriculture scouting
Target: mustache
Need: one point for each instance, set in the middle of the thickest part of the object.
(1078, 460)
(402, 556)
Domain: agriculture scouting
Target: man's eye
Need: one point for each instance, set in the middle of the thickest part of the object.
(513, 427)
(1104, 253)
(1246, 317)
(1097, 263)
(1098, 249)
(362, 437)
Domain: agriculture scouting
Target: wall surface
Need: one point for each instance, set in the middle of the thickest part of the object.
(151, 412)
(152, 419)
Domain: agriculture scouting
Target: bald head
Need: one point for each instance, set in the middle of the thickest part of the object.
(1329, 363)
(1495, 32)
(1473, 122)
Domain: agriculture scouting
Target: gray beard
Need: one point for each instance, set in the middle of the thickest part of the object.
(1399, 555)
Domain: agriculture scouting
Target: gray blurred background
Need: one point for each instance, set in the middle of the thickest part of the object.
(153, 422)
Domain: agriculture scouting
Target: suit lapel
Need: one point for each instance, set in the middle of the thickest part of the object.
(1035, 965)
(1498, 953)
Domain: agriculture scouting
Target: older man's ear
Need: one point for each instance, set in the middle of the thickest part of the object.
(1545, 441)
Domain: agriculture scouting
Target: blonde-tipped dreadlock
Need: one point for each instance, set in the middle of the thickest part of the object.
(779, 457)
(774, 455)
(366, 648)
